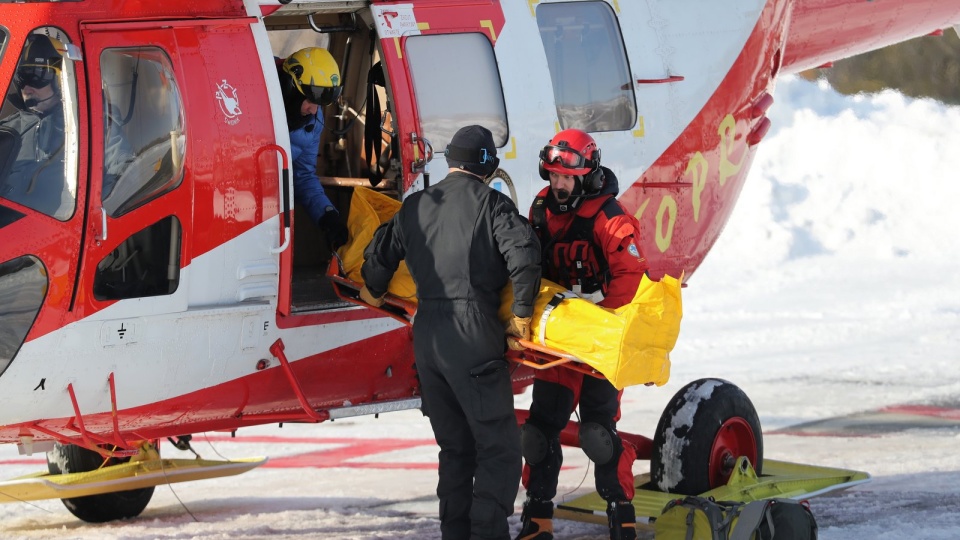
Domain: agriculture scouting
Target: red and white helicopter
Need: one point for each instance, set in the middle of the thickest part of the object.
(183, 294)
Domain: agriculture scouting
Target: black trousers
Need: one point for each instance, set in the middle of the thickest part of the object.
(467, 394)
(550, 410)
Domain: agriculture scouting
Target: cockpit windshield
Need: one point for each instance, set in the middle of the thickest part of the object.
(38, 126)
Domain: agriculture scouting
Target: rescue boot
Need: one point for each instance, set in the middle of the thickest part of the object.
(622, 520)
(536, 520)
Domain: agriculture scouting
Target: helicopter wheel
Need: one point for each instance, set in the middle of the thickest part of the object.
(705, 427)
(70, 458)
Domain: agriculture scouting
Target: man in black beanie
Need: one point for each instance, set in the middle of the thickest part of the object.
(463, 242)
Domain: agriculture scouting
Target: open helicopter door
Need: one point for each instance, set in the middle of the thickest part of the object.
(443, 73)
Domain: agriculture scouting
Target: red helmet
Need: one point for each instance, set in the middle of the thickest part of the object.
(572, 152)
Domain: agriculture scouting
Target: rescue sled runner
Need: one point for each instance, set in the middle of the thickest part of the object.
(123, 477)
(107, 485)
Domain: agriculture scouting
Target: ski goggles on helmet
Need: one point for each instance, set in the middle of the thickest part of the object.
(34, 76)
(321, 95)
(566, 157)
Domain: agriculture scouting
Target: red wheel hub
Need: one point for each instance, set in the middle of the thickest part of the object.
(734, 439)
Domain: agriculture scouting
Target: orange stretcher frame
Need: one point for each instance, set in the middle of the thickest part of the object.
(533, 355)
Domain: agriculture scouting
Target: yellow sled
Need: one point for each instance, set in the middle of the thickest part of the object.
(706, 442)
(779, 480)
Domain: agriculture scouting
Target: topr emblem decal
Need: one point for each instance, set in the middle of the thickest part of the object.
(229, 102)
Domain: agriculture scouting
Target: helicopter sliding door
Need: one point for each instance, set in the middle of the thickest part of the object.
(443, 71)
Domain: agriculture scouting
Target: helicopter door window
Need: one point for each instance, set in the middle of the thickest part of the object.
(588, 66)
(145, 264)
(144, 140)
(463, 92)
(38, 120)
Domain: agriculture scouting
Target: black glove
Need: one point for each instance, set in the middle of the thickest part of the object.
(337, 233)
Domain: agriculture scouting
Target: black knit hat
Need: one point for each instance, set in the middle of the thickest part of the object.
(473, 150)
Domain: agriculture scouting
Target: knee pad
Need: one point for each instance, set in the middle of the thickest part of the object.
(598, 443)
(533, 444)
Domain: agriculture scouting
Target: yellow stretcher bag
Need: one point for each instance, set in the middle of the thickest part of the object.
(369, 210)
(629, 345)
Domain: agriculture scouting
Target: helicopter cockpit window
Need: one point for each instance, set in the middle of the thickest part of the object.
(23, 285)
(38, 127)
(463, 92)
(588, 66)
(143, 128)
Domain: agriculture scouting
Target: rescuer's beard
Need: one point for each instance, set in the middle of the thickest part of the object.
(562, 195)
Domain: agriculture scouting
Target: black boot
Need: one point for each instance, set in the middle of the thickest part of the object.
(622, 520)
(537, 520)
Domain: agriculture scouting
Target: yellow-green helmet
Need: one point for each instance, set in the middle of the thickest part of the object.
(315, 74)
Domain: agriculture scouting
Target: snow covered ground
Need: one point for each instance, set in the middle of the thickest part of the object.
(834, 293)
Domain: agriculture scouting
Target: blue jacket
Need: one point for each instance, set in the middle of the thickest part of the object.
(307, 189)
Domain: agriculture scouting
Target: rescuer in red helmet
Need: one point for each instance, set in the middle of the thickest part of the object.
(590, 245)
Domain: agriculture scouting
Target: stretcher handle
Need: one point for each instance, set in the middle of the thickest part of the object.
(349, 291)
(540, 357)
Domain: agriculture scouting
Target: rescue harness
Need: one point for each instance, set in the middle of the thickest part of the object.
(571, 257)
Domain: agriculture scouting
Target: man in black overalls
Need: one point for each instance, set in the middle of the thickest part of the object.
(463, 242)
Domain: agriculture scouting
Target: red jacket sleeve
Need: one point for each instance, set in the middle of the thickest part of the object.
(619, 238)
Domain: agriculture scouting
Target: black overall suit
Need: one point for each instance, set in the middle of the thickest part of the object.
(463, 242)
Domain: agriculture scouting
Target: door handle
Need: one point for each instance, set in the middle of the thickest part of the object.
(286, 189)
(101, 235)
(418, 163)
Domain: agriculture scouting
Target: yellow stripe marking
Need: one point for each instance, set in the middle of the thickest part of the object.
(488, 24)
(641, 130)
(512, 154)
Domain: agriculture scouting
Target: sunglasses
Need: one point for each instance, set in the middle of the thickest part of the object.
(565, 156)
(34, 76)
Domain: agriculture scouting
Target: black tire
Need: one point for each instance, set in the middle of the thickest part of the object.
(705, 427)
(96, 508)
